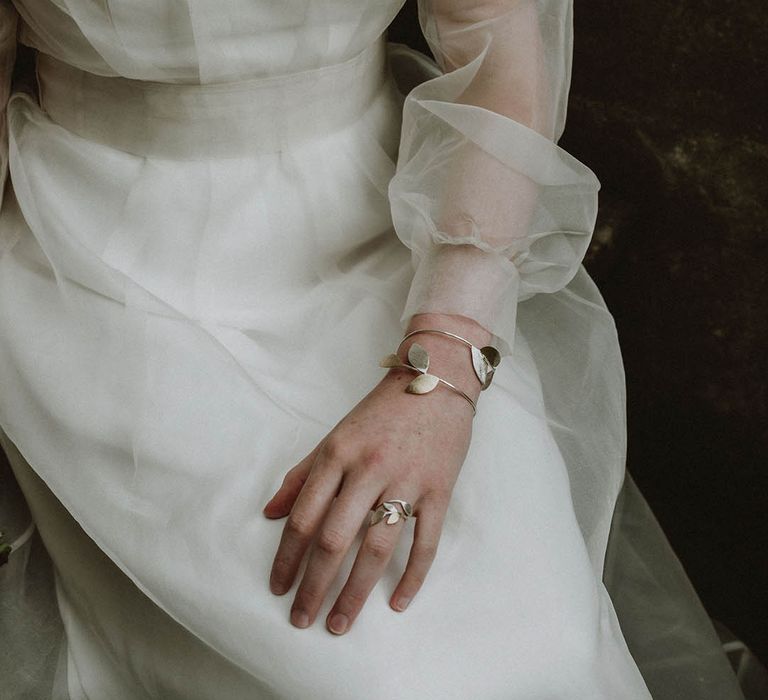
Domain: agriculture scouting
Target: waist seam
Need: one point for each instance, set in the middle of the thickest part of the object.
(264, 113)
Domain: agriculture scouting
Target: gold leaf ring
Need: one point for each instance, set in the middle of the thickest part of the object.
(387, 510)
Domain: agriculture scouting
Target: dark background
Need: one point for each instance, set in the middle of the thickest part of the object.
(668, 108)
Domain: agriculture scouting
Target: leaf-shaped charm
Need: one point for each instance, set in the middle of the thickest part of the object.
(479, 364)
(377, 517)
(423, 384)
(393, 518)
(418, 357)
(407, 509)
(390, 508)
(391, 360)
(492, 358)
(492, 355)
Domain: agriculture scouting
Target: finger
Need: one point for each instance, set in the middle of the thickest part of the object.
(305, 517)
(372, 558)
(429, 525)
(334, 539)
(293, 481)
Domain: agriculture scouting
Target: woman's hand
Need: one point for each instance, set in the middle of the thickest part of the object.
(390, 445)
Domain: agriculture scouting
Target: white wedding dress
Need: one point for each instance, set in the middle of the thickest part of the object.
(219, 216)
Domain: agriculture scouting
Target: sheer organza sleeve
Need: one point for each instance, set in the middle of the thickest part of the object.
(7, 58)
(493, 210)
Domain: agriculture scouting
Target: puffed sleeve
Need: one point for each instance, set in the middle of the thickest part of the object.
(493, 210)
(7, 58)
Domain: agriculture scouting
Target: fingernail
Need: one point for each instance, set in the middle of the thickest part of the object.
(299, 618)
(402, 603)
(338, 623)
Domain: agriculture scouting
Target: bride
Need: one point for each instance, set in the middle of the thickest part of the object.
(302, 379)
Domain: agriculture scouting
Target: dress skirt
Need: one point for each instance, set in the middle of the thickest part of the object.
(676, 649)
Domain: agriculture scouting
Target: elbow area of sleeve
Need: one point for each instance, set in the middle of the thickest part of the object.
(521, 195)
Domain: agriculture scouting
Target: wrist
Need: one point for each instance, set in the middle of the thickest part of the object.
(453, 323)
(449, 358)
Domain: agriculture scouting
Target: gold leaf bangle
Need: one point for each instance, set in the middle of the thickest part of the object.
(484, 360)
(425, 382)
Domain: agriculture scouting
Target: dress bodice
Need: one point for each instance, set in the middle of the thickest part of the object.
(190, 41)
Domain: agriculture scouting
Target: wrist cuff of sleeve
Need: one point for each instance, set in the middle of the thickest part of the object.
(463, 279)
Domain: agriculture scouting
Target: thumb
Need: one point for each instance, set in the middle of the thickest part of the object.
(281, 503)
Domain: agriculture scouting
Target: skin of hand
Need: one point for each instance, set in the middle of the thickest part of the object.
(390, 445)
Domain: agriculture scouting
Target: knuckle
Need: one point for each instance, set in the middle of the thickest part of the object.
(334, 450)
(377, 548)
(331, 541)
(299, 525)
(425, 551)
(352, 599)
(374, 458)
(311, 590)
(308, 596)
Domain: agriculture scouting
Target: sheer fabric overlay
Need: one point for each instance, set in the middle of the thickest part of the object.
(206, 203)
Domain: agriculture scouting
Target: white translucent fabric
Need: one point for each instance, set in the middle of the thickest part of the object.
(220, 216)
(670, 635)
(479, 167)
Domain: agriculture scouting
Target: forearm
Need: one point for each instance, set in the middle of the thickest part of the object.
(492, 209)
(512, 79)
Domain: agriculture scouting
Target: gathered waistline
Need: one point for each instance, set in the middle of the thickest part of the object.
(227, 119)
